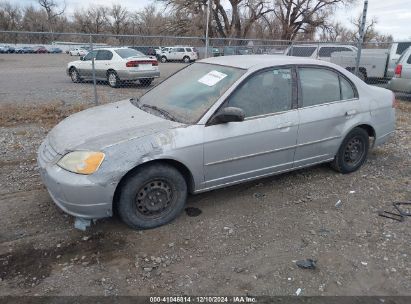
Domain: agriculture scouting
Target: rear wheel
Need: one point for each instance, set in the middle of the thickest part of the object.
(74, 75)
(186, 59)
(163, 59)
(353, 151)
(152, 196)
(112, 79)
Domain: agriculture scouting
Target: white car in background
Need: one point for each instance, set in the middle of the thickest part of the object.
(115, 65)
(78, 52)
(180, 53)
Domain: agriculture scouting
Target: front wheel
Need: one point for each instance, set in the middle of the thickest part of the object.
(74, 75)
(163, 59)
(152, 196)
(353, 151)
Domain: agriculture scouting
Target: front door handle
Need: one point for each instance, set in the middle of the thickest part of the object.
(350, 112)
(285, 125)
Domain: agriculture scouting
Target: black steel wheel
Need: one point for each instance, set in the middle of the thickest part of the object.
(152, 196)
(353, 151)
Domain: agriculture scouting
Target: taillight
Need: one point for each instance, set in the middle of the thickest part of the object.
(398, 70)
(131, 64)
(135, 63)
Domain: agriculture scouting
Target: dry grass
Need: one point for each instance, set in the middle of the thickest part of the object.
(404, 106)
(45, 114)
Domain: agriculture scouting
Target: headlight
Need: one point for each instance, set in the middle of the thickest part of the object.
(82, 162)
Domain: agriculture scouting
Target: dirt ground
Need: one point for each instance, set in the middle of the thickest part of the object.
(245, 241)
(42, 78)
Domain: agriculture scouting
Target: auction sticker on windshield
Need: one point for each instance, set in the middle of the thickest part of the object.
(212, 78)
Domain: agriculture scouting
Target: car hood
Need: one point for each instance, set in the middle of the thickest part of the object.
(106, 125)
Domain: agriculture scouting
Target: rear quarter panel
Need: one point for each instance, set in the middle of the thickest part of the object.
(382, 113)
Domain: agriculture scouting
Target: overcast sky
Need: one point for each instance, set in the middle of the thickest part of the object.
(393, 15)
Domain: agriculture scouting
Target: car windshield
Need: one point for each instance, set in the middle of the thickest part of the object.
(126, 53)
(189, 93)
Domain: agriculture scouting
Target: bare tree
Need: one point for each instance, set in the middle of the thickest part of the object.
(118, 16)
(52, 11)
(10, 16)
(234, 22)
(335, 32)
(301, 16)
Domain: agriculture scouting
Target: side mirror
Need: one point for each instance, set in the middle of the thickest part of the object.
(228, 114)
(82, 58)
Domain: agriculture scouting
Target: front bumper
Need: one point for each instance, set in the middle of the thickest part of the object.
(75, 194)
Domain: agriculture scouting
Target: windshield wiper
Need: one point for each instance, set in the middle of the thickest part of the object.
(159, 110)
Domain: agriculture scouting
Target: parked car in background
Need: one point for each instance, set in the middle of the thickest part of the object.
(19, 50)
(401, 82)
(78, 52)
(179, 53)
(55, 50)
(40, 50)
(115, 65)
(215, 123)
(229, 50)
(28, 50)
(318, 51)
(146, 50)
(7, 49)
(374, 62)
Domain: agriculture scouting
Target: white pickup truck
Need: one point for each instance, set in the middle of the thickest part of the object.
(374, 63)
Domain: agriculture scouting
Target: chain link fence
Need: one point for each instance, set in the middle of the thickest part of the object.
(75, 67)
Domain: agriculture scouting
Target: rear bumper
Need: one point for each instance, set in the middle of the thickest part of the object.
(400, 85)
(134, 75)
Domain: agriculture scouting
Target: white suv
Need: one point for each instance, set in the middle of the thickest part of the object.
(318, 51)
(78, 52)
(183, 53)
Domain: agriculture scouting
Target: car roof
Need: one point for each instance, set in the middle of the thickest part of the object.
(261, 61)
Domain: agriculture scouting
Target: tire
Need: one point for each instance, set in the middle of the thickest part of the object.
(112, 79)
(353, 151)
(163, 59)
(186, 59)
(139, 210)
(75, 75)
(146, 81)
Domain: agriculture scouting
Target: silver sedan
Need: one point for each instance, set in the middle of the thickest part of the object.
(217, 122)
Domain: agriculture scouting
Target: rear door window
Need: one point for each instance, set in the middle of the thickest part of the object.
(188, 50)
(180, 50)
(318, 86)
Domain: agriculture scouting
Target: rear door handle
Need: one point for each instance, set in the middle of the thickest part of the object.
(350, 112)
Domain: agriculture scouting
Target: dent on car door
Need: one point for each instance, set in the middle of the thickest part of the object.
(264, 142)
(328, 106)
